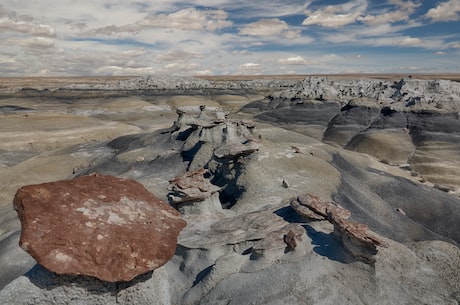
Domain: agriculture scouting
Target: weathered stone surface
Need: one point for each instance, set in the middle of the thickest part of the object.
(97, 225)
(191, 186)
(235, 150)
(312, 207)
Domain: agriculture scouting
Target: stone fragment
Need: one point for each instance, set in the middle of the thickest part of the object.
(191, 186)
(296, 149)
(285, 184)
(97, 225)
(289, 240)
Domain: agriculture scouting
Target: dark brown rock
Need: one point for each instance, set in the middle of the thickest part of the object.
(97, 225)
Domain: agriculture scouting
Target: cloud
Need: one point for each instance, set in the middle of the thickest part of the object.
(445, 11)
(269, 27)
(178, 55)
(250, 69)
(204, 72)
(295, 60)
(37, 43)
(408, 41)
(113, 29)
(336, 16)
(404, 10)
(27, 28)
(189, 19)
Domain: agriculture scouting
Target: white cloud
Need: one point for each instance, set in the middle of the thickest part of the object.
(294, 60)
(34, 43)
(178, 55)
(403, 12)
(445, 11)
(204, 72)
(27, 28)
(250, 69)
(189, 19)
(163, 36)
(408, 41)
(336, 16)
(269, 27)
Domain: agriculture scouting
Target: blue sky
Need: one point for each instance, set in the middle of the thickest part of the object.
(117, 37)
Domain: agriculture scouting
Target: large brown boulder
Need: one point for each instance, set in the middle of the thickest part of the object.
(97, 225)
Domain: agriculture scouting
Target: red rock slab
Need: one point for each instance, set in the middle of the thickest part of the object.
(101, 226)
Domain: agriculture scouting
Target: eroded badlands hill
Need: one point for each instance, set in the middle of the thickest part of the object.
(231, 156)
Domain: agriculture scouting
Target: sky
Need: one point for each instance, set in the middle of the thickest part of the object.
(227, 37)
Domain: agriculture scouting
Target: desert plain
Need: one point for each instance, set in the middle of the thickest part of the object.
(384, 147)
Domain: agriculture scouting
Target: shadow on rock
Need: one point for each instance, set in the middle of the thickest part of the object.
(326, 244)
(44, 279)
(289, 215)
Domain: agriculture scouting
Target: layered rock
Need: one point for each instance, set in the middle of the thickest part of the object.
(97, 225)
(312, 207)
(357, 238)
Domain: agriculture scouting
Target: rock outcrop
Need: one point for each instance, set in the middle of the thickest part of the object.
(216, 143)
(407, 92)
(357, 238)
(97, 225)
(408, 122)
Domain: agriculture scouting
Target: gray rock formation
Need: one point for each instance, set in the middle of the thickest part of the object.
(411, 122)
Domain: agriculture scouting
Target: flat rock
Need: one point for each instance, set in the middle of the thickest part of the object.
(97, 225)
